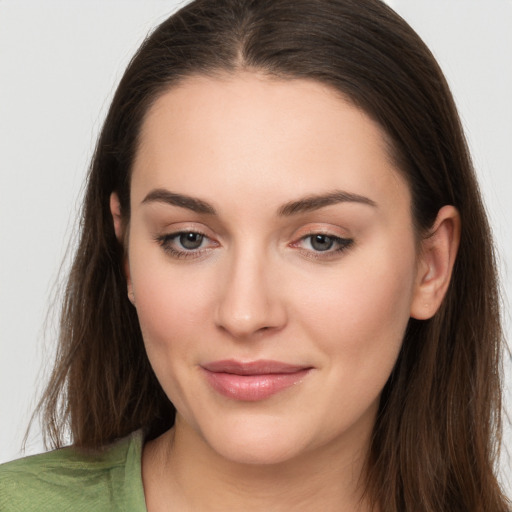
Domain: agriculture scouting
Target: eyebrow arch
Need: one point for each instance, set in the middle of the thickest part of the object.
(315, 202)
(161, 195)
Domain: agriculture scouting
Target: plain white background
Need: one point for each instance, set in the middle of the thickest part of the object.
(59, 64)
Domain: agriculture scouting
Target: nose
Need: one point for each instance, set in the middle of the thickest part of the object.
(250, 300)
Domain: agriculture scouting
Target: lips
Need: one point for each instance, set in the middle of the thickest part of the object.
(252, 381)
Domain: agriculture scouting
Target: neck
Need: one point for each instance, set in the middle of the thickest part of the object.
(180, 471)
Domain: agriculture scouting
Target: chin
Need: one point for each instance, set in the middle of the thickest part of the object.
(256, 441)
(259, 452)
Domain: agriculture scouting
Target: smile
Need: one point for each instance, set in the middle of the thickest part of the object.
(252, 381)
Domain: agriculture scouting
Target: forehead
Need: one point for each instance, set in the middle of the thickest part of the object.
(256, 133)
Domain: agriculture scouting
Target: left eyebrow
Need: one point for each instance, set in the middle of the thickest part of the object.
(315, 202)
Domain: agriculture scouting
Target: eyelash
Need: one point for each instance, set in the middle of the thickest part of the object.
(341, 244)
(166, 242)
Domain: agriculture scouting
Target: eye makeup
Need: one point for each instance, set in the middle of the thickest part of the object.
(192, 244)
(186, 244)
(322, 246)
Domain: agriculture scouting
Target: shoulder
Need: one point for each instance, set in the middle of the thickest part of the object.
(69, 479)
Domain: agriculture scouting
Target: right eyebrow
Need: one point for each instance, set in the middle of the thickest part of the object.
(315, 202)
(161, 195)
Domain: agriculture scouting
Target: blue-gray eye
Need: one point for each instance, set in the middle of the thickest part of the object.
(191, 240)
(322, 242)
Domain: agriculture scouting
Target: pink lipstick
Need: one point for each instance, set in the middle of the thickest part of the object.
(252, 381)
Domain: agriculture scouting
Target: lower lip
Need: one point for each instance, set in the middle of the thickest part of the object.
(251, 388)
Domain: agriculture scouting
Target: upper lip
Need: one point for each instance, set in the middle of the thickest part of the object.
(260, 367)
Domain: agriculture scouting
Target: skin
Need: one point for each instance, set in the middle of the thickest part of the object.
(258, 288)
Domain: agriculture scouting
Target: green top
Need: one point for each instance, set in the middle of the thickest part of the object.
(67, 479)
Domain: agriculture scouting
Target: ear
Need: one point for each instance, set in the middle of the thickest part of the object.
(115, 210)
(435, 265)
(119, 228)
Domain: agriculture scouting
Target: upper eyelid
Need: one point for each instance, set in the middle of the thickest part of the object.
(336, 238)
(332, 230)
(204, 232)
(169, 231)
(184, 231)
(167, 242)
(176, 234)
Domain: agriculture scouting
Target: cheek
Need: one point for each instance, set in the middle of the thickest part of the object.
(169, 304)
(359, 317)
(168, 307)
(165, 307)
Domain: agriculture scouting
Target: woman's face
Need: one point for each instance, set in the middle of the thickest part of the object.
(273, 264)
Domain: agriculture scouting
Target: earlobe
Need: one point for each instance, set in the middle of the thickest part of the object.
(435, 264)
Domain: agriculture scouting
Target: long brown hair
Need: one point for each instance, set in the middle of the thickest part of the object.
(438, 429)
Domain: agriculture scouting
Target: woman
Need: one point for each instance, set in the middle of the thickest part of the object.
(269, 306)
